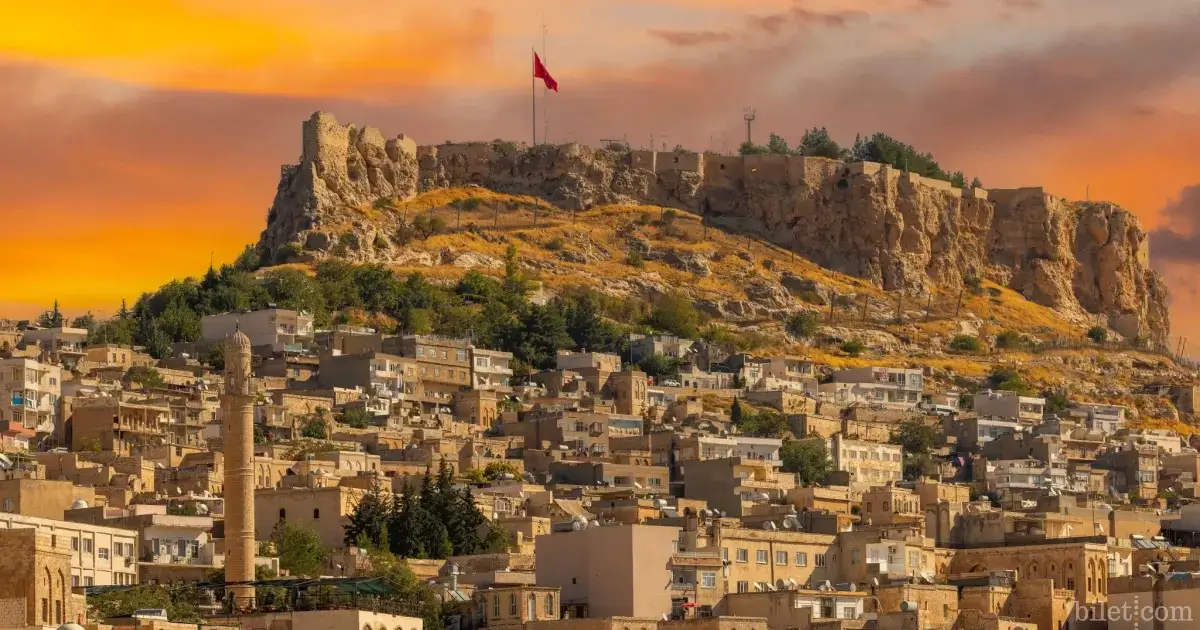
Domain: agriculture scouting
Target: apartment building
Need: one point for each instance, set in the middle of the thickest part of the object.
(764, 559)
(617, 571)
(375, 373)
(276, 329)
(114, 355)
(492, 369)
(584, 361)
(30, 393)
(443, 365)
(1027, 410)
(787, 373)
(641, 347)
(891, 505)
(100, 556)
(59, 345)
(867, 462)
(897, 388)
(764, 449)
(41, 497)
(736, 486)
(122, 427)
(1107, 419)
(974, 431)
(1019, 475)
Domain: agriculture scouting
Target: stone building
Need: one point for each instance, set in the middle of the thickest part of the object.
(97, 555)
(35, 590)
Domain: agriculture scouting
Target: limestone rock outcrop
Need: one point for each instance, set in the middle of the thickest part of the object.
(895, 229)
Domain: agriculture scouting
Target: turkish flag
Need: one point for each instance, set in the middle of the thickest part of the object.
(540, 72)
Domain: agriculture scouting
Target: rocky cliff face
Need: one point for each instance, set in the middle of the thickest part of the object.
(896, 229)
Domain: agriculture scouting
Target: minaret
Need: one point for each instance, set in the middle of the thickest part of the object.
(237, 412)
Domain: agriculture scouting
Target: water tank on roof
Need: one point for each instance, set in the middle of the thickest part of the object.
(908, 606)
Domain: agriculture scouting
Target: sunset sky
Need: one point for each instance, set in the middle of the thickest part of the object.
(139, 137)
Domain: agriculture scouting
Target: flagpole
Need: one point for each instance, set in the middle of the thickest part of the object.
(545, 89)
(533, 97)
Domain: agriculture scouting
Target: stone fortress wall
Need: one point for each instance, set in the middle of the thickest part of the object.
(896, 229)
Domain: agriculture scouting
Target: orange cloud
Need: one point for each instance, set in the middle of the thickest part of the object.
(272, 46)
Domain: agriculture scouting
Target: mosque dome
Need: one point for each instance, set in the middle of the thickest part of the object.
(71, 626)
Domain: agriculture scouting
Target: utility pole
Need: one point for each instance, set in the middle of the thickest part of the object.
(866, 302)
(899, 304)
(958, 307)
(749, 115)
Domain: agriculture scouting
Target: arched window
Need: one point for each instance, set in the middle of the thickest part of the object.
(282, 513)
(531, 607)
(1033, 569)
(366, 626)
(550, 605)
(316, 513)
(512, 604)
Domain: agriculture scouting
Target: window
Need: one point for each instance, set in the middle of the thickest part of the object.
(282, 513)
(495, 598)
(743, 555)
(550, 605)
(444, 355)
(87, 581)
(316, 513)
(853, 556)
(421, 353)
(461, 354)
(781, 557)
(760, 556)
(8, 504)
(87, 545)
(820, 559)
(708, 579)
(801, 559)
(103, 553)
(725, 554)
(914, 558)
(74, 581)
(512, 597)
(848, 612)
(743, 587)
(75, 544)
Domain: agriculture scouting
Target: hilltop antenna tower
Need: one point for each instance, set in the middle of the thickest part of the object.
(749, 115)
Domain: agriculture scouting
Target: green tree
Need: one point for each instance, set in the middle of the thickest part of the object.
(966, 343)
(749, 148)
(804, 324)
(178, 602)
(852, 347)
(87, 321)
(1007, 378)
(52, 318)
(412, 596)
(808, 459)
(493, 470)
(314, 428)
(368, 526)
(1098, 334)
(260, 436)
(357, 418)
(817, 143)
(1008, 339)
(659, 366)
(776, 144)
(736, 412)
(674, 313)
(914, 436)
(145, 375)
(887, 150)
(300, 549)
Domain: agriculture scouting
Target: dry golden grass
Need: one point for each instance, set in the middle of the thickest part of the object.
(541, 232)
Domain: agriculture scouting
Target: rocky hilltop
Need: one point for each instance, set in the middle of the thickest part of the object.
(895, 229)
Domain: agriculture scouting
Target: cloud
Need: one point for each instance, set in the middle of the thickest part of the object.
(1177, 239)
(690, 38)
(269, 46)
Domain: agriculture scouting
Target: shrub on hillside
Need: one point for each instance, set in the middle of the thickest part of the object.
(966, 343)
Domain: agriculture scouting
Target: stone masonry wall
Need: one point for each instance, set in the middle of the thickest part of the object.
(896, 229)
